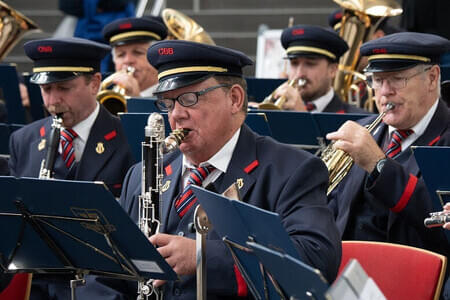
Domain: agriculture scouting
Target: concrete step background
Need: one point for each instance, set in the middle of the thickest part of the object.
(231, 23)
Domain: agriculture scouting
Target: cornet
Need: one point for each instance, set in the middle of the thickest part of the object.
(272, 103)
(114, 100)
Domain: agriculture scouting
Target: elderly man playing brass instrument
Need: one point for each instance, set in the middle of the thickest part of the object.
(203, 90)
(384, 197)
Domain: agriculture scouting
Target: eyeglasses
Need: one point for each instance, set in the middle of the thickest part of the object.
(187, 99)
(395, 82)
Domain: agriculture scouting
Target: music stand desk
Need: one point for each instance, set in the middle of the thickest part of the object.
(238, 223)
(72, 227)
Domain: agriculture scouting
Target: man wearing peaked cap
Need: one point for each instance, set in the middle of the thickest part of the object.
(384, 197)
(203, 90)
(313, 53)
(93, 146)
(130, 39)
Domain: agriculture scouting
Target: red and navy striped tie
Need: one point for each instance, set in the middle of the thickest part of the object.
(68, 152)
(395, 146)
(187, 197)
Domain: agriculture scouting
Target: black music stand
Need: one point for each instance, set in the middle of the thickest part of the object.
(434, 165)
(238, 223)
(72, 227)
(298, 280)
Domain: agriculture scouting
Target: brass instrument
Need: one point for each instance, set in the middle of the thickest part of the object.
(48, 163)
(271, 103)
(12, 27)
(114, 100)
(360, 19)
(181, 27)
(153, 148)
(339, 162)
(437, 219)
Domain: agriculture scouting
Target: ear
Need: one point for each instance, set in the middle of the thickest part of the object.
(95, 83)
(237, 95)
(433, 76)
(332, 69)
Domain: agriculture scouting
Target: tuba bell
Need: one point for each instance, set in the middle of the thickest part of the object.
(114, 100)
(359, 21)
(181, 27)
(13, 25)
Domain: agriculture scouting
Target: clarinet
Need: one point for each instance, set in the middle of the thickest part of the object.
(48, 163)
(153, 148)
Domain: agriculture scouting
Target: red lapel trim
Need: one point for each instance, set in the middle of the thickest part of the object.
(407, 193)
(434, 140)
(111, 135)
(168, 170)
(42, 131)
(251, 166)
(341, 111)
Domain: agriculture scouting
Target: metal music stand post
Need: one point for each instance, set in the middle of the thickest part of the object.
(72, 227)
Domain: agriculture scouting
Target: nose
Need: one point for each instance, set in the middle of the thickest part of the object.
(178, 112)
(385, 88)
(51, 97)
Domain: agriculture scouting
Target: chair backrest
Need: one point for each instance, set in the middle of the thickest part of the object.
(401, 272)
(19, 287)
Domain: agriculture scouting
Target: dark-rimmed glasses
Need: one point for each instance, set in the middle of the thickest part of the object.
(186, 99)
(395, 82)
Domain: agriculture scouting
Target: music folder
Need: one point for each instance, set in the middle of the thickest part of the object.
(434, 164)
(237, 223)
(74, 227)
(329, 122)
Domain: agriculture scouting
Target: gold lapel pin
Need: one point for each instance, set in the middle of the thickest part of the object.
(100, 148)
(240, 183)
(41, 145)
(166, 186)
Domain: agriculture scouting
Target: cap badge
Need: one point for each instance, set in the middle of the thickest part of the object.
(125, 26)
(379, 50)
(165, 51)
(45, 49)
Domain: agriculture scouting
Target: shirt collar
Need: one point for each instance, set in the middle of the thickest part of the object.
(420, 127)
(221, 159)
(323, 101)
(84, 127)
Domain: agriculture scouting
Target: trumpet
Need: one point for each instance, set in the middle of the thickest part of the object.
(271, 103)
(339, 162)
(114, 100)
(437, 219)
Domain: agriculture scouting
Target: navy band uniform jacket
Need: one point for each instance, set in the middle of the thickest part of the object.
(399, 188)
(109, 164)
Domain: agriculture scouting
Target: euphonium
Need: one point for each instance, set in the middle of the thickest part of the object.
(272, 103)
(360, 19)
(12, 26)
(339, 162)
(181, 27)
(114, 100)
(153, 148)
(48, 163)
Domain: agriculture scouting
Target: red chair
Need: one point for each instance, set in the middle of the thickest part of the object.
(401, 272)
(19, 288)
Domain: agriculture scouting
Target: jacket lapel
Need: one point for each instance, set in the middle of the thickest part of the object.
(170, 188)
(100, 146)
